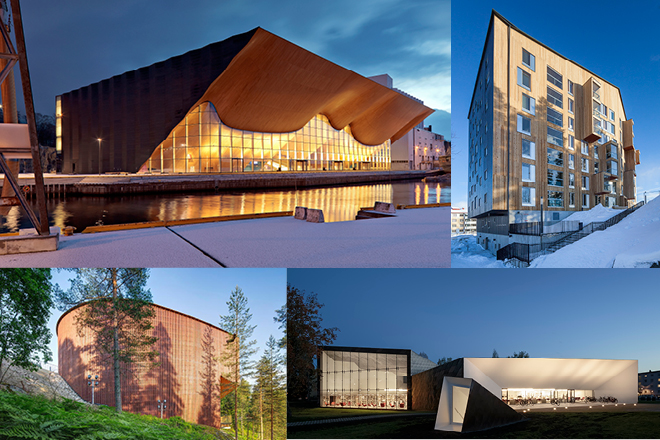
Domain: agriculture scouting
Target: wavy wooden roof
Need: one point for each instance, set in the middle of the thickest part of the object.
(274, 86)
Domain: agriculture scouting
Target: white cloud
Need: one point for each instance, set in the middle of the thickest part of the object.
(434, 90)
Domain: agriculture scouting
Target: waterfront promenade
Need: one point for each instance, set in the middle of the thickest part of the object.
(414, 238)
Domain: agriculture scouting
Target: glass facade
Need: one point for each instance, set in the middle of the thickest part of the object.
(201, 143)
(369, 380)
(513, 396)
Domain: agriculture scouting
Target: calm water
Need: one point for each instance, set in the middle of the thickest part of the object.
(337, 203)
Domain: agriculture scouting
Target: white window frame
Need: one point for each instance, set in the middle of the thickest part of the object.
(521, 73)
(532, 150)
(571, 177)
(520, 125)
(532, 196)
(532, 60)
(571, 124)
(532, 172)
(570, 87)
(532, 104)
(571, 161)
(571, 106)
(571, 142)
(585, 197)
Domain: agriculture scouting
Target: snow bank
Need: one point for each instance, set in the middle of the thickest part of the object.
(465, 252)
(599, 213)
(633, 242)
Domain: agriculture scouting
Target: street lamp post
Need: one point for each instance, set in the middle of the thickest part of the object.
(162, 406)
(93, 383)
(541, 223)
(99, 139)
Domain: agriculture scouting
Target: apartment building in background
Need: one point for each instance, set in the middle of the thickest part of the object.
(546, 135)
(461, 223)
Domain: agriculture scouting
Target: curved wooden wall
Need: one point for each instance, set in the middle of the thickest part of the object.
(185, 345)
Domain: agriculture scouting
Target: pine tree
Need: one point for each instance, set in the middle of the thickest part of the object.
(270, 378)
(118, 311)
(240, 347)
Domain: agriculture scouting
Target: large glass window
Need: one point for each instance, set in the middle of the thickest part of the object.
(555, 157)
(354, 379)
(555, 137)
(555, 199)
(528, 196)
(555, 178)
(554, 117)
(555, 77)
(201, 143)
(612, 167)
(555, 98)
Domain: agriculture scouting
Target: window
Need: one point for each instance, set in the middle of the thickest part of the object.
(528, 172)
(529, 60)
(570, 87)
(524, 125)
(486, 175)
(555, 178)
(571, 180)
(612, 114)
(571, 199)
(584, 148)
(571, 161)
(555, 98)
(571, 142)
(595, 167)
(585, 200)
(596, 151)
(529, 104)
(571, 106)
(555, 77)
(555, 199)
(524, 79)
(585, 165)
(585, 183)
(528, 149)
(612, 167)
(555, 137)
(555, 157)
(528, 196)
(571, 124)
(554, 117)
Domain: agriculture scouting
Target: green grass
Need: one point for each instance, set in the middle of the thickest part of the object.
(302, 414)
(537, 425)
(35, 417)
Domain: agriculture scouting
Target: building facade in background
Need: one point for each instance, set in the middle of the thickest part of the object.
(461, 223)
(545, 134)
(649, 384)
(189, 374)
(252, 103)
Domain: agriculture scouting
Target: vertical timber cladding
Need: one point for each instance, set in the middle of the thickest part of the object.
(582, 116)
(188, 349)
(118, 109)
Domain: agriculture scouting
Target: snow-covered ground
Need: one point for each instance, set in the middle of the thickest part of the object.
(465, 252)
(598, 213)
(414, 238)
(633, 242)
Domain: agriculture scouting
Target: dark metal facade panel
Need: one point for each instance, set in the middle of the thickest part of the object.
(134, 112)
(427, 386)
(189, 351)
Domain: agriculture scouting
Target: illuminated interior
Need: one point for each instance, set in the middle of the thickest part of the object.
(513, 396)
(201, 143)
(364, 380)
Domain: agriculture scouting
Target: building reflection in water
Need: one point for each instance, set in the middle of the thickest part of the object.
(337, 203)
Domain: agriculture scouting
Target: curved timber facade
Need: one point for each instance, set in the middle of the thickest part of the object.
(259, 85)
(187, 374)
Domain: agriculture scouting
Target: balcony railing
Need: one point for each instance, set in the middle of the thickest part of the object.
(597, 95)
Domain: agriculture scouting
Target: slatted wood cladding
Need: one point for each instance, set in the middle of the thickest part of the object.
(134, 112)
(185, 344)
(257, 81)
(510, 42)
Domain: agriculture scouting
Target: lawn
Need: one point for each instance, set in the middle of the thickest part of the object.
(537, 425)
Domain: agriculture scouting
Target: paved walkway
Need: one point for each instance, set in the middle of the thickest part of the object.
(414, 238)
(352, 419)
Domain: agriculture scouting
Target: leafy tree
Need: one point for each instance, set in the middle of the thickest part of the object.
(495, 355)
(270, 379)
(444, 360)
(240, 346)
(304, 334)
(521, 354)
(118, 311)
(25, 303)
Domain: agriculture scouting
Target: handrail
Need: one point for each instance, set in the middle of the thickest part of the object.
(527, 252)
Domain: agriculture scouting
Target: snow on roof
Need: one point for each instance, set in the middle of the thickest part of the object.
(633, 242)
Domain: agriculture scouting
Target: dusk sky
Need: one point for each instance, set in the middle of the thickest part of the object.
(75, 43)
(553, 313)
(203, 294)
(619, 43)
